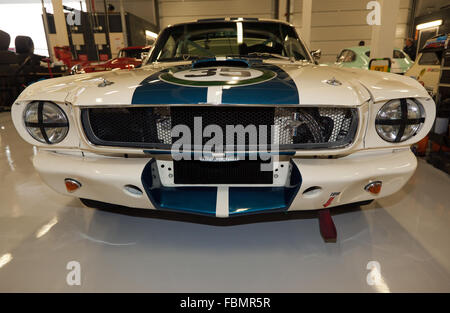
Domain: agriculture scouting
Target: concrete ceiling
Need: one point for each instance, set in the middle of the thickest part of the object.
(425, 7)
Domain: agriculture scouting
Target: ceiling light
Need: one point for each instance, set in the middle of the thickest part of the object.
(429, 24)
(151, 34)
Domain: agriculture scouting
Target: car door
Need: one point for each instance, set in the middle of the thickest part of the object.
(402, 60)
(426, 69)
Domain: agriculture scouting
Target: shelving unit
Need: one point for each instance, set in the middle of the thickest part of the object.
(439, 152)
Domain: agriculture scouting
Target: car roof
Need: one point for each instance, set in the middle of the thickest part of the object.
(232, 19)
(358, 48)
(364, 49)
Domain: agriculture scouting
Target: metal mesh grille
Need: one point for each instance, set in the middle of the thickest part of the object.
(238, 172)
(146, 127)
(341, 122)
(135, 125)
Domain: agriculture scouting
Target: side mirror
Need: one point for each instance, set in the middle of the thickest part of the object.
(316, 54)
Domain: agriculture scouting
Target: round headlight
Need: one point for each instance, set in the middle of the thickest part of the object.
(399, 119)
(46, 122)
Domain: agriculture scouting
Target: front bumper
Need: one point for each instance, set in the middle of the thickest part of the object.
(330, 182)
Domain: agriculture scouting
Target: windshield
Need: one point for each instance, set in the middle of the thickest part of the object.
(396, 54)
(216, 39)
(430, 58)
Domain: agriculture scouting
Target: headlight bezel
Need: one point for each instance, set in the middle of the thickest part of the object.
(402, 121)
(39, 129)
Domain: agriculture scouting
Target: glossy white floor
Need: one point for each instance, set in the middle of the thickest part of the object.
(41, 231)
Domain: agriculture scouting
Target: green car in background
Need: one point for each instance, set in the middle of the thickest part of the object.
(359, 57)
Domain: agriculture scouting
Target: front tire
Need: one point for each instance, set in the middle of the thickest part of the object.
(97, 204)
(367, 202)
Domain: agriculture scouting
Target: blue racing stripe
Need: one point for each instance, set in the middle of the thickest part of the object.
(247, 200)
(198, 200)
(279, 90)
(152, 90)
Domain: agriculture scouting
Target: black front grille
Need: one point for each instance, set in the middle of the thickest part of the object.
(150, 127)
(122, 125)
(234, 172)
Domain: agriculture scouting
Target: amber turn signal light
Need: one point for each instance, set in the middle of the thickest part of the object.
(374, 187)
(72, 184)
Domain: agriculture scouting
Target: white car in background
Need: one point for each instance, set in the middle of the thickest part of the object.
(426, 69)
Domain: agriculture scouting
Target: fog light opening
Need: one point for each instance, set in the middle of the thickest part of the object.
(133, 190)
(374, 187)
(72, 184)
(311, 192)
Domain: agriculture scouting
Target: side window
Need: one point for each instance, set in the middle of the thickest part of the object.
(350, 56)
(340, 57)
(429, 58)
(346, 56)
(398, 54)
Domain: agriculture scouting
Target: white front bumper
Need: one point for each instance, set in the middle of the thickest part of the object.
(103, 178)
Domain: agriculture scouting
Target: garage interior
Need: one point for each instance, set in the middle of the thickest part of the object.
(42, 231)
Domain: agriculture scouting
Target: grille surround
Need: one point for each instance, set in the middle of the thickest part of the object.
(93, 137)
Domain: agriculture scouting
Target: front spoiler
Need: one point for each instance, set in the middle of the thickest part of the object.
(337, 181)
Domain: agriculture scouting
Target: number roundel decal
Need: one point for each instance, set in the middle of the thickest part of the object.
(217, 76)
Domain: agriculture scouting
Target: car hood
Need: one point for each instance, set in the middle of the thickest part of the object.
(263, 82)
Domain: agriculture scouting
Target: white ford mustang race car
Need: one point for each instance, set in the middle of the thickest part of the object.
(226, 117)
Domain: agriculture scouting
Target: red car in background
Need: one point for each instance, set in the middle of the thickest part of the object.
(127, 58)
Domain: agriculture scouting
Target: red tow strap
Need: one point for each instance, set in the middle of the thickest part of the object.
(327, 227)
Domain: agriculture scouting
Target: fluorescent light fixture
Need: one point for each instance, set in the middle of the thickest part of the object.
(240, 36)
(429, 24)
(151, 34)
